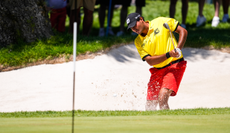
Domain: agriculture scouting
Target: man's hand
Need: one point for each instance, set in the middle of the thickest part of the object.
(176, 54)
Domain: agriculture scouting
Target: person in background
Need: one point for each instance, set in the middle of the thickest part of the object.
(200, 19)
(104, 4)
(216, 20)
(57, 14)
(88, 7)
(225, 8)
(68, 8)
(124, 11)
(155, 46)
(184, 10)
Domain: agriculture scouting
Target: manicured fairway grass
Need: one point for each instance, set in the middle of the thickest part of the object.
(215, 120)
(115, 124)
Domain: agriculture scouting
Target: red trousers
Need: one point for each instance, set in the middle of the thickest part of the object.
(57, 19)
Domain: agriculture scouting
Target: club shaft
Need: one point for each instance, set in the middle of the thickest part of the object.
(172, 39)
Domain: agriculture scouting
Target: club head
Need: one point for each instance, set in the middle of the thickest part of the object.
(166, 26)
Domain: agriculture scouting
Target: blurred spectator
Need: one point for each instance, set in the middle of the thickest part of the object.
(58, 14)
(88, 7)
(225, 8)
(216, 20)
(104, 4)
(124, 11)
(200, 19)
(68, 8)
(184, 10)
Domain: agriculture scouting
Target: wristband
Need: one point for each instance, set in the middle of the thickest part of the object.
(167, 55)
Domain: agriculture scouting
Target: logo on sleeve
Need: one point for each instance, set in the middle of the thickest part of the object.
(143, 45)
(156, 31)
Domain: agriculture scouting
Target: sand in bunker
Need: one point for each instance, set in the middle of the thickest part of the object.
(114, 81)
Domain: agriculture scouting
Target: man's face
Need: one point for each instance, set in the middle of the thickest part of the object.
(139, 27)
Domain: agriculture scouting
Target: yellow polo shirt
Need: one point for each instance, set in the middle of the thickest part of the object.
(158, 40)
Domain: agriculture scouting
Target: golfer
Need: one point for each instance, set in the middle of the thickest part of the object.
(155, 46)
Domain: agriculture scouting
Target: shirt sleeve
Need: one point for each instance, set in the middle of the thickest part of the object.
(173, 23)
(140, 50)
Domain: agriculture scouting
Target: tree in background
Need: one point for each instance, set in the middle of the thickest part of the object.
(25, 20)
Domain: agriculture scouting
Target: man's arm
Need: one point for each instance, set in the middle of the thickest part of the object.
(182, 36)
(153, 60)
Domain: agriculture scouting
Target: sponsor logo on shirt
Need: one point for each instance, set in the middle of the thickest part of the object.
(143, 45)
(156, 31)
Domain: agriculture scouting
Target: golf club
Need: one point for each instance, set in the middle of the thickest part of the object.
(176, 49)
(167, 27)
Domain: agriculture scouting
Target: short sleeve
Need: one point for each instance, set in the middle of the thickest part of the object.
(172, 24)
(141, 51)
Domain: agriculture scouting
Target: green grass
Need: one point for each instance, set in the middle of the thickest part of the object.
(134, 124)
(61, 45)
(179, 121)
(83, 113)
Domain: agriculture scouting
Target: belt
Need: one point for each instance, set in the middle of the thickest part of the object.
(176, 61)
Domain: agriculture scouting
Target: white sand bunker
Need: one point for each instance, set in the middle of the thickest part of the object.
(114, 81)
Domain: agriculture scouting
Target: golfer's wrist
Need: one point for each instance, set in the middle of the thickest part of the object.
(167, 55)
